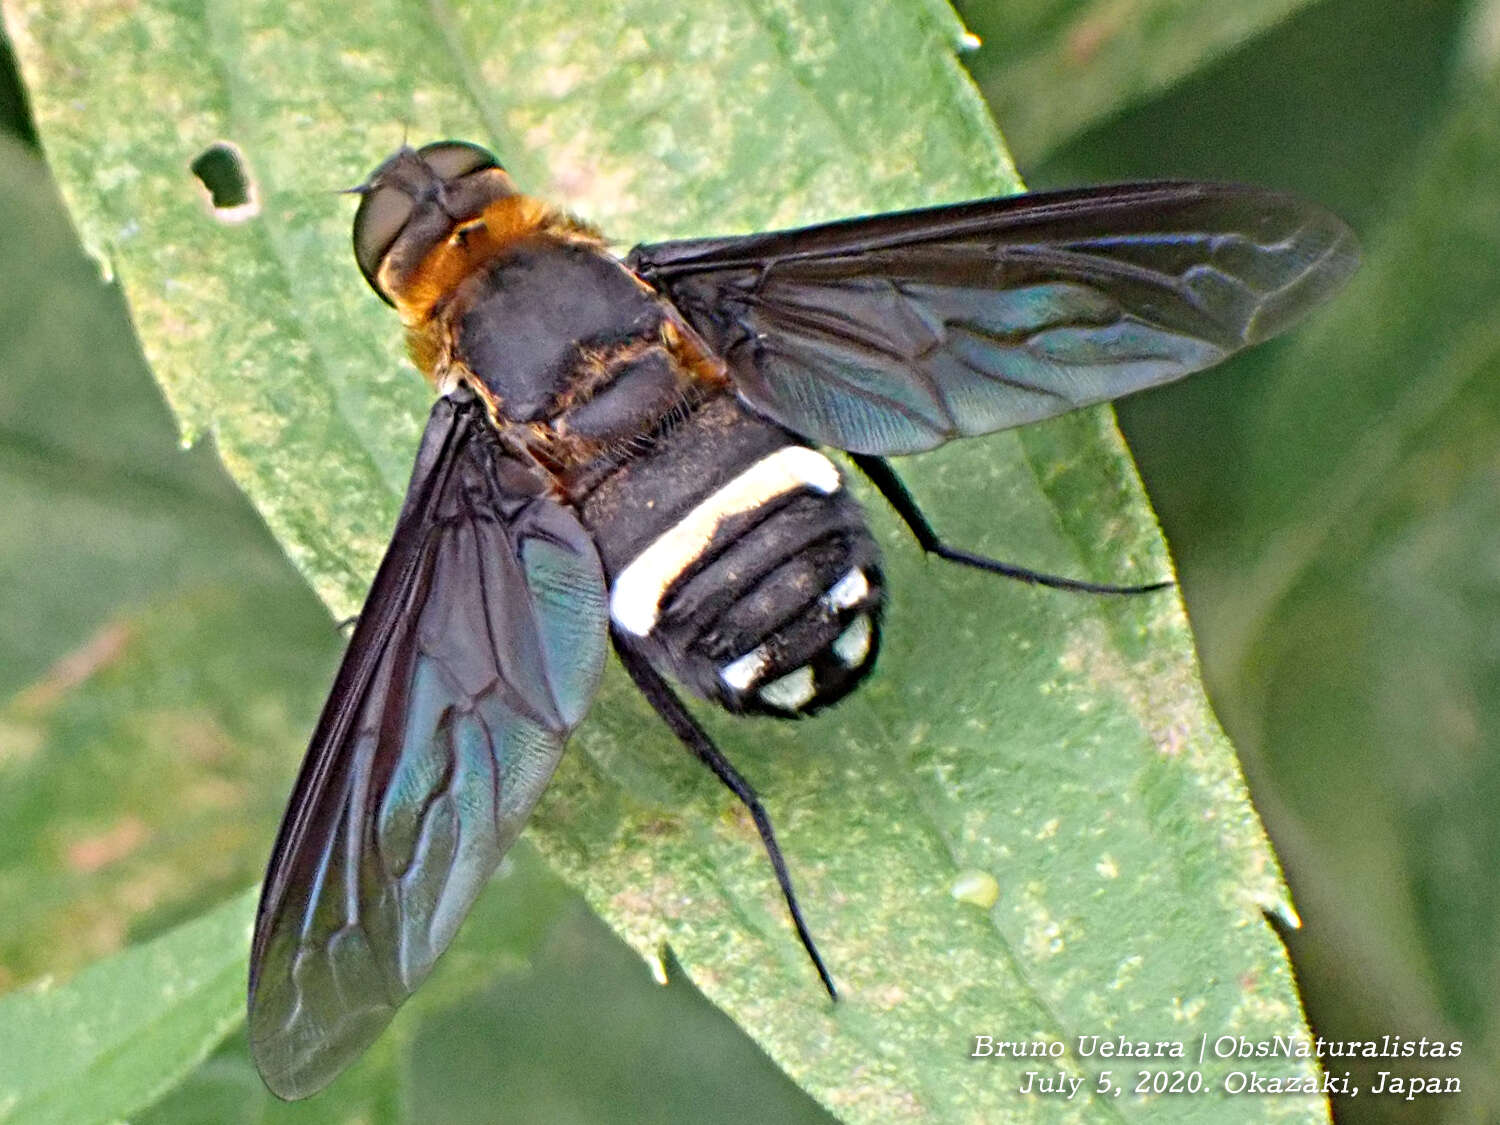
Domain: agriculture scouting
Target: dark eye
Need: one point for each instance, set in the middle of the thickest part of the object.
(381, 216)
(452, 159)
(431, 188)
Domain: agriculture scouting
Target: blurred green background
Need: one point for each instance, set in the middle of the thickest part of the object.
(1331, 501)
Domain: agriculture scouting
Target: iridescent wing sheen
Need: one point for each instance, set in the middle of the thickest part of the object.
(895, 333)
(479, 649)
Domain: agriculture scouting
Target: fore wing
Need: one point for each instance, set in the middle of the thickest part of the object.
(478, 651)
(895, 333)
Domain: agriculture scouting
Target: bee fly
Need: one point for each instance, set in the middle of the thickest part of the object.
(627, 451)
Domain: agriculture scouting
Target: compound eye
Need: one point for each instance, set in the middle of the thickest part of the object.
(452, 159)
(382, 215)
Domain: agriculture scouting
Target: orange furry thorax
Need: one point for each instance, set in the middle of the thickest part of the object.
(474, 244)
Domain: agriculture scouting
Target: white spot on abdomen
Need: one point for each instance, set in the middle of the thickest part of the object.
(635, 600)
(740, 674)
(792, 691)
(848, 591)
(853, 644)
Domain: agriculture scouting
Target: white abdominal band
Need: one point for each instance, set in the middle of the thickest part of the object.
(635, 601)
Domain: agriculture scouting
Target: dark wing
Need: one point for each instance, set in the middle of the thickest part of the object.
(895, 333)
(479, 649)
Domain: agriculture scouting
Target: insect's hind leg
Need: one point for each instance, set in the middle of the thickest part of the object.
(666, 704)
(891, 487)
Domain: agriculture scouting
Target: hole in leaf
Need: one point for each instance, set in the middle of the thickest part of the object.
(225, 178)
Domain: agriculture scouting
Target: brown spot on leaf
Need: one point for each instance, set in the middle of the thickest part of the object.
(73, 669)
(661, 826)
(1089, 35)
(93, 852)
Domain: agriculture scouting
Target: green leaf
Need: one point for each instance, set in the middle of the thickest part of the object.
(1354, 611)
(123, 1031)
(120, 1033)
(1374, 110)
(1059, 744)
(154, 645)
(142, 772)
(584, 1037)
(1052, 68)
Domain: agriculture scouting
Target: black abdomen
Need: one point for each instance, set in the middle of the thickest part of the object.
(739, 564)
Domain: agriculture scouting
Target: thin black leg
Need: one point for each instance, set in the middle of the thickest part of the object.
(660, 695)
(891, 487)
